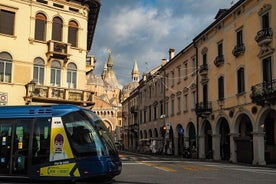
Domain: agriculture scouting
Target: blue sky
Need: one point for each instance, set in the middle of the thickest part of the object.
(144, 30)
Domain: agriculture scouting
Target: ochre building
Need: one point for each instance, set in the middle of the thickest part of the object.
(219, 96)
(44, 51)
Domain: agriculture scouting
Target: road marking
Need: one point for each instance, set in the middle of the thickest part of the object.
(194, 167)
(163, 168)
(132, 163)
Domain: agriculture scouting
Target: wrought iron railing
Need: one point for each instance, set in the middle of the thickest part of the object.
(238, 50)
(264, 35)
(264, 92)
(219, 60)
(203, 108)
(203, 69)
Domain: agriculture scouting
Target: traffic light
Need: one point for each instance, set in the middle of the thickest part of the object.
(163, 130)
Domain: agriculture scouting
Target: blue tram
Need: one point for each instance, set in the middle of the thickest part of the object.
(57, 142)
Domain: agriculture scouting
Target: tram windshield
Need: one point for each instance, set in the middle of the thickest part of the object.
(103, 131)
(82, 135)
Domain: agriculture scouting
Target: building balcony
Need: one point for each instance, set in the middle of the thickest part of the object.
(134, 127)
(203, 70)
(134, 109)
(53, 94)
(219, 60)
(58, 50)
(203, 109)
(124, 115)
(264, 93)
(264, 36)
(238, 50)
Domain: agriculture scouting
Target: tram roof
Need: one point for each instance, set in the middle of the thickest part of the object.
(28, 111)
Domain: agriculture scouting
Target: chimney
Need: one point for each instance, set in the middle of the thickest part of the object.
(144, 76)
(171, 53)
(164, 61)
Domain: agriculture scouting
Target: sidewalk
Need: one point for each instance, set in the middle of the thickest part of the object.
(174, 157)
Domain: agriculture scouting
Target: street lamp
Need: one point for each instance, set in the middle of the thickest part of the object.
(31, 87)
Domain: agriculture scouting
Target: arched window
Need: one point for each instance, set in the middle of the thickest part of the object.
(40, 26)
(57, 29)
(55, 73)
(38, 73)
(72, 75)
(5, 67)
(73, 33)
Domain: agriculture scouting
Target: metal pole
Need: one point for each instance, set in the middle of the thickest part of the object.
(164, 105)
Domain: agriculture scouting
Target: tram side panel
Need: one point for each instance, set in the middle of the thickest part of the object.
(73, 145)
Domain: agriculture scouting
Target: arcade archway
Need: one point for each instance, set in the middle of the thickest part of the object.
(208, 139)
(244, 140)
(224, 132)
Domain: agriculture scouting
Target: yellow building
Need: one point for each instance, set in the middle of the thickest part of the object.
(181, 90)
(43, 51)
(235, 114)
(236, 56)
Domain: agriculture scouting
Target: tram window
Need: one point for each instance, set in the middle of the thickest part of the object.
(103, 131)
(83, 137)
(5, 136)
(42, 133)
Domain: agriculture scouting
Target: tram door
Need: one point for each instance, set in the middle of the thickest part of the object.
(15, 148)
(5, 147)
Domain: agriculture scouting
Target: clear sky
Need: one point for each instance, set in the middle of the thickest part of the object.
(144, 30)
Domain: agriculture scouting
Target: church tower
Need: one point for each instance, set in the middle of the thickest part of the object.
(135, 73)
(109, 61)
(108, 74)
(127, 89)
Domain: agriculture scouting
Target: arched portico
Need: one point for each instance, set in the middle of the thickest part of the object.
(191, 139)
(205, 141)
(108, 124)
(221, 142)
(180, 140)
(243, 140)
(169, 146)
(265, 138)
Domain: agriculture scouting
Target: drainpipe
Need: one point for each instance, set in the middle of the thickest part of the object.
(197, 118)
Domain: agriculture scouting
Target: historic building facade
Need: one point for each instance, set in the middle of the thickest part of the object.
(233, 60)
(141, 113)
(235, 85)
(180, 99)
(129, 131)
(45, 55)
(107, 97)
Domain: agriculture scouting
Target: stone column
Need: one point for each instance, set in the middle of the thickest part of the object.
(233, 148)
(258, 148)
(216, 147)
(201, 147)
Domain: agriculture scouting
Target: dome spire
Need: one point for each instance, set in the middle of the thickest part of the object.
(109, 61)
(135, 72)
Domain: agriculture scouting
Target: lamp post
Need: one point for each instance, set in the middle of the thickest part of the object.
(31, 88)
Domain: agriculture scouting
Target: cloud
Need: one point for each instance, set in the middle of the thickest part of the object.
(144, 30)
